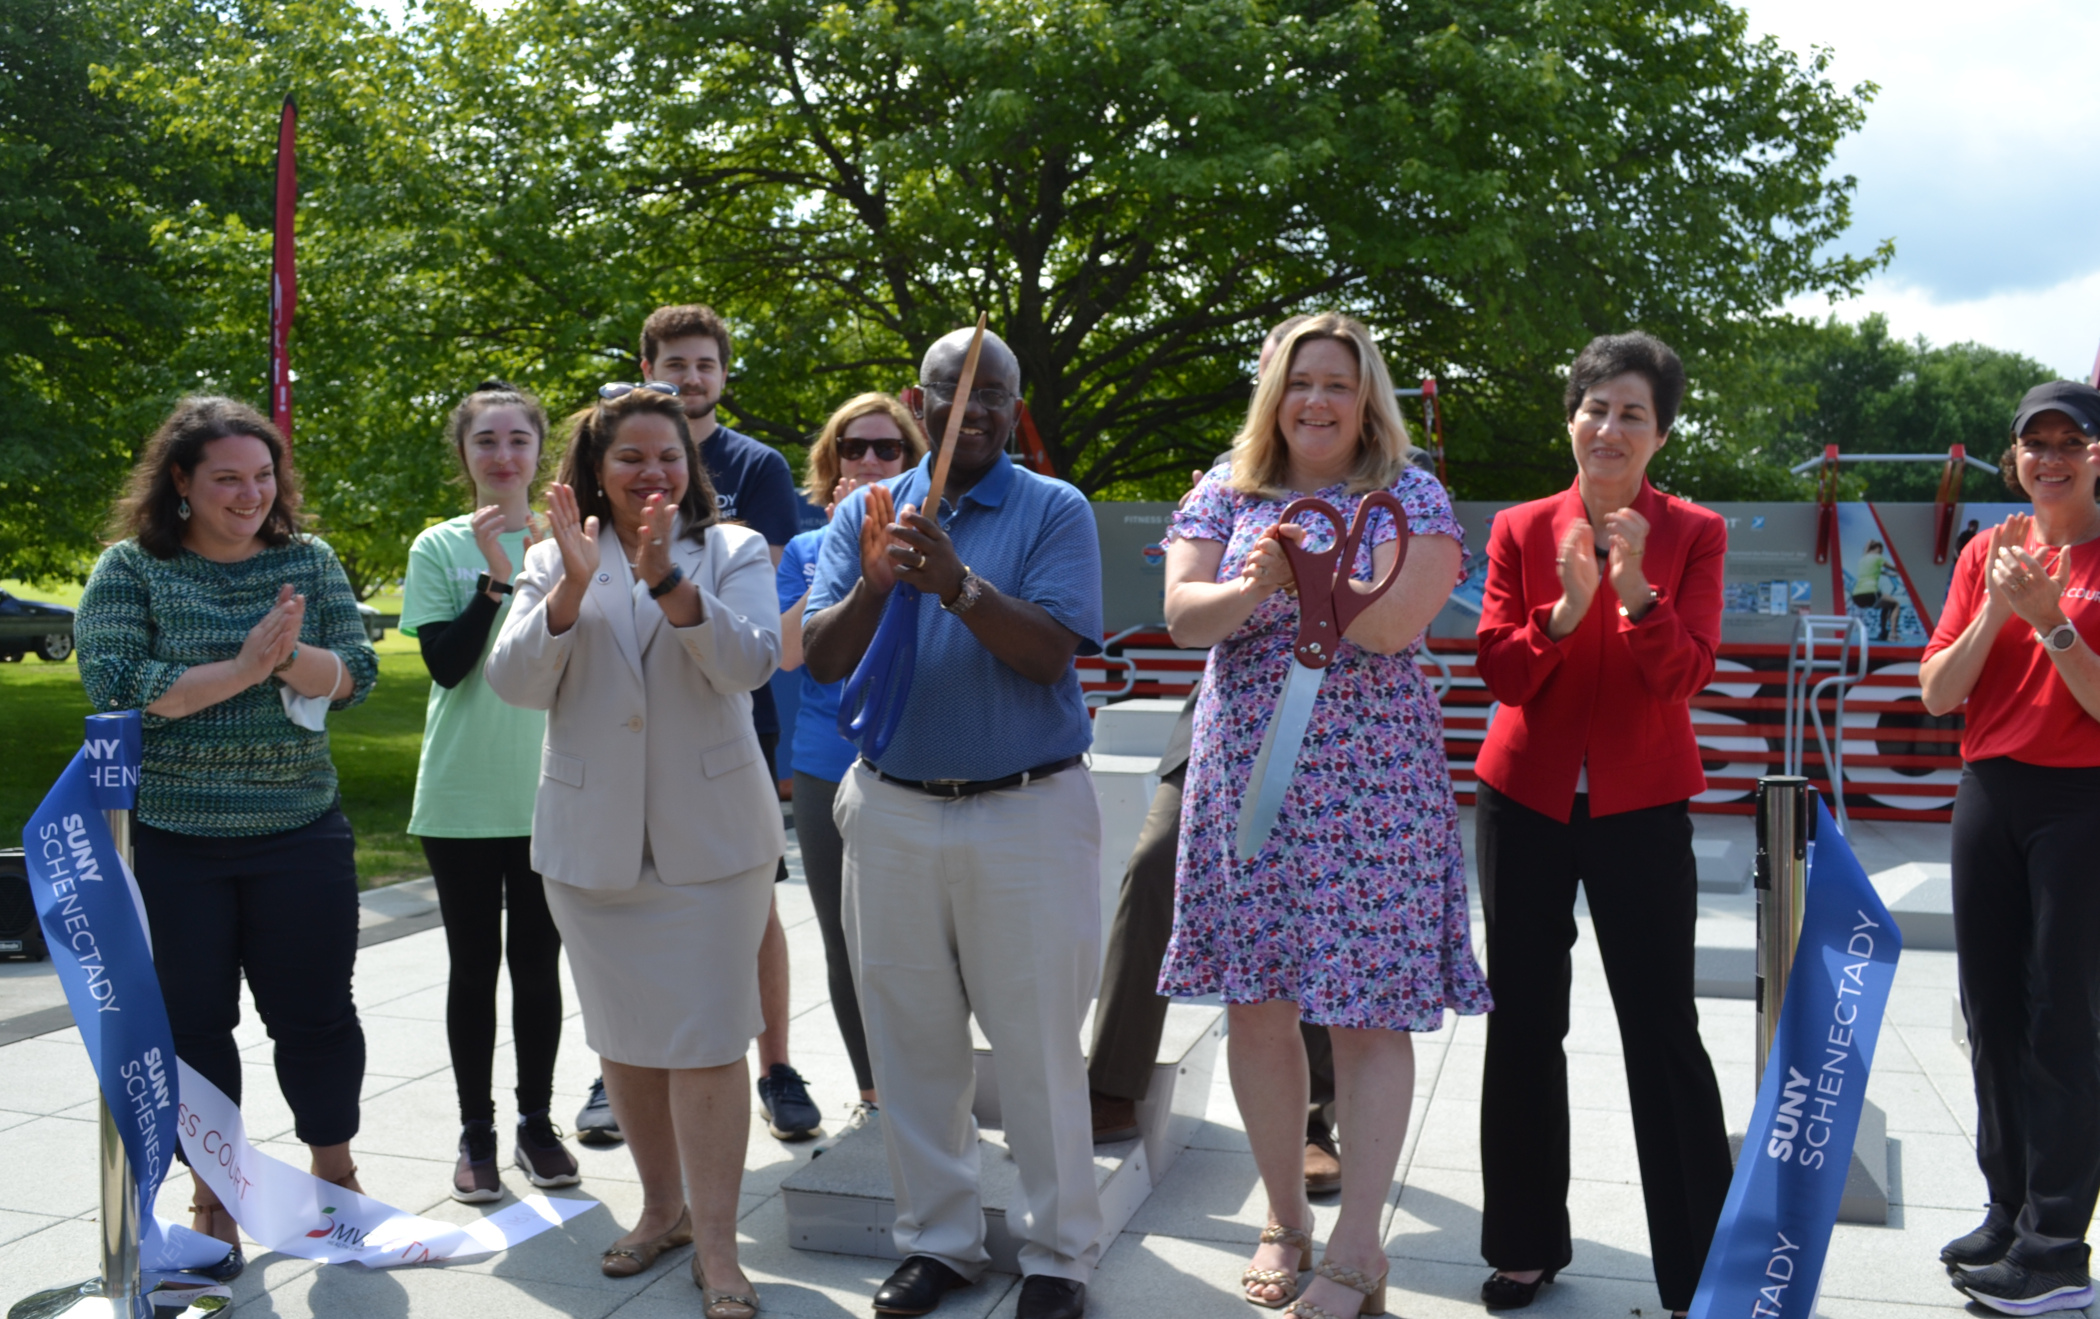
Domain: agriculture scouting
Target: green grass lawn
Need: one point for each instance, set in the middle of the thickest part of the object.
(375, 747)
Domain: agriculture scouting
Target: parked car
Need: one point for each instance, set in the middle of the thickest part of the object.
(31, 625)
(374, 621)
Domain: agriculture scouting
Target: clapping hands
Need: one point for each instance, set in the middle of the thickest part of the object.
(273, 638)
(488, 527)
(577, 538)
(2020, 583)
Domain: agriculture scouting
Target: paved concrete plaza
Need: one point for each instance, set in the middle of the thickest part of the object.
(1180, 1255)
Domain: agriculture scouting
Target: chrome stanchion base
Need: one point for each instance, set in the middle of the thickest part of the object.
(86, 1300)
(82, 1300)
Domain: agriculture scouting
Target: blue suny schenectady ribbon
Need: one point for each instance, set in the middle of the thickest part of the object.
(1767, 1257)
(95, 926)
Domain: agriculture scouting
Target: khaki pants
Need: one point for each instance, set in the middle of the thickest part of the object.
(987, 904)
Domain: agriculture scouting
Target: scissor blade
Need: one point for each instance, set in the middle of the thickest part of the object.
(1277, 759)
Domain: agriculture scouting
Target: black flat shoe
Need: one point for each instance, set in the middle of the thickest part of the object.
(917, 1286)
(1045, 1297)
(1502, 1292)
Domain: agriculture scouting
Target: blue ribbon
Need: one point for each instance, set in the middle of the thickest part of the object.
(1767, 1257)
(96, 929)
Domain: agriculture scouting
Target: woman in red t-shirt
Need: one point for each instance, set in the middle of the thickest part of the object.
(2014, 652)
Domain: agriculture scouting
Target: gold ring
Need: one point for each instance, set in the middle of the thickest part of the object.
(922, 561)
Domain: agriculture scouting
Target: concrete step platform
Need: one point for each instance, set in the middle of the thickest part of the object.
(843, 1202)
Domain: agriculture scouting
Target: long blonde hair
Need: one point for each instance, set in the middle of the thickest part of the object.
(1261, 458)
(824, 453)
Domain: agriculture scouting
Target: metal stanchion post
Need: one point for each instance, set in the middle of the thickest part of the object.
(116, 1293)
(1785, 809)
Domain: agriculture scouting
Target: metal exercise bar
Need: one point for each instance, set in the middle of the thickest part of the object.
(1972, 460)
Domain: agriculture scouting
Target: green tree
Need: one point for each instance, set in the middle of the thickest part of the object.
(1858, 387)
(1135, 189)
(91, 306)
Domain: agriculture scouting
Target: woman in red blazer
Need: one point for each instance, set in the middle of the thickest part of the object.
(1599, 621)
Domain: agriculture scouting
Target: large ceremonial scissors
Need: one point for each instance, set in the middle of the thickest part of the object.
(1327, 605)
(871, 704)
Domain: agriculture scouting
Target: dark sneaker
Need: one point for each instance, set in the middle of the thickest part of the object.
(863, 1114)
(784, 1098)
(474, 1180)
(1986, 1245)
(541, 1154)
(595, 1123)
(2012, 1288)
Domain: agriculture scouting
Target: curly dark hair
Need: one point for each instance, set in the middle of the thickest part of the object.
(1610, 355)
(494, 393)
(678, 322)
(591, 434)
(149, 510)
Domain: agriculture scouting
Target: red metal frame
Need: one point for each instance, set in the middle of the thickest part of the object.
(1165, 671)
(1943, 502)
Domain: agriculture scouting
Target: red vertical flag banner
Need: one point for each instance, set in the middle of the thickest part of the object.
(284, 280)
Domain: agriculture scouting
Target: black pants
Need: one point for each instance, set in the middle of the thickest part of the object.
(769, 743)
(283, 909)
(2027, 938)
(1132, 1015)
(478, 880)
(1638, 873)
(823, 865)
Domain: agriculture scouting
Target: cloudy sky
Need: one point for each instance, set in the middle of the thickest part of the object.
(1980, 157)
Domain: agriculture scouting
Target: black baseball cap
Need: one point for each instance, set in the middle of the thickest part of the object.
(2081, 403)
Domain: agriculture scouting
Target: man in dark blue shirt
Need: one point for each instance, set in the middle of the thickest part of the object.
(972, 870)
(688, 346)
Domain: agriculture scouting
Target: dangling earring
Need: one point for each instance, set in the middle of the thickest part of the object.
(182, 510)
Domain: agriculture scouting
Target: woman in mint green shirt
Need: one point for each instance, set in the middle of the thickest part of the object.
(474, 793)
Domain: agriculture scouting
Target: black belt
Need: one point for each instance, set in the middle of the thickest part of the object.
(952, 788)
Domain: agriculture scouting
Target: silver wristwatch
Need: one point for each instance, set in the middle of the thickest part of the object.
(2061, 637)
(966, 596)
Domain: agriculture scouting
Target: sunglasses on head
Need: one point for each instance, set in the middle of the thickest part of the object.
(888, 451)
(621, 389)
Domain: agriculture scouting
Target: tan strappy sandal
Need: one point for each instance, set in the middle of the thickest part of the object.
(723, 1305)
(1284, 1280)
(626, 1261)
(1372, 1288)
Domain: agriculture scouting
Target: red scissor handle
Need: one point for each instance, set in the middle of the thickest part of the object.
(1327, 605)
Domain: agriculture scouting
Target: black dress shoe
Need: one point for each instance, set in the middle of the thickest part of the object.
(917, 1286)
(1045, 1297)
(1502, 1292)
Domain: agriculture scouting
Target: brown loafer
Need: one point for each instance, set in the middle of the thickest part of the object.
(626, 1261)
(1114, 1118)
(1323, 1168)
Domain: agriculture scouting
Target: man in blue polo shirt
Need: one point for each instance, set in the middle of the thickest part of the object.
(972, 869)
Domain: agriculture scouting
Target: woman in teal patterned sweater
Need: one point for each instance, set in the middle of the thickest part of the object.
(236, 634)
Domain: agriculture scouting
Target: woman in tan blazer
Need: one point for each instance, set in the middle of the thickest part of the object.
(656, 826)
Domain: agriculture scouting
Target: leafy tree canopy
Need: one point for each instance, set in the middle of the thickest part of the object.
(1135, 189)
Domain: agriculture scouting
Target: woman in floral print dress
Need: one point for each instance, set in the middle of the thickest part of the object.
(1353, 913)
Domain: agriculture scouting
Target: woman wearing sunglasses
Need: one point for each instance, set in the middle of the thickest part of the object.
(872, 437)
(641, 628)
(2014, 653)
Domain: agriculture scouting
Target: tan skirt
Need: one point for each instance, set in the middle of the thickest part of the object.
(668, 974)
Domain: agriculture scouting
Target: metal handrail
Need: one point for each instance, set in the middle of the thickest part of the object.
(1805, 693)
(1130, 666)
